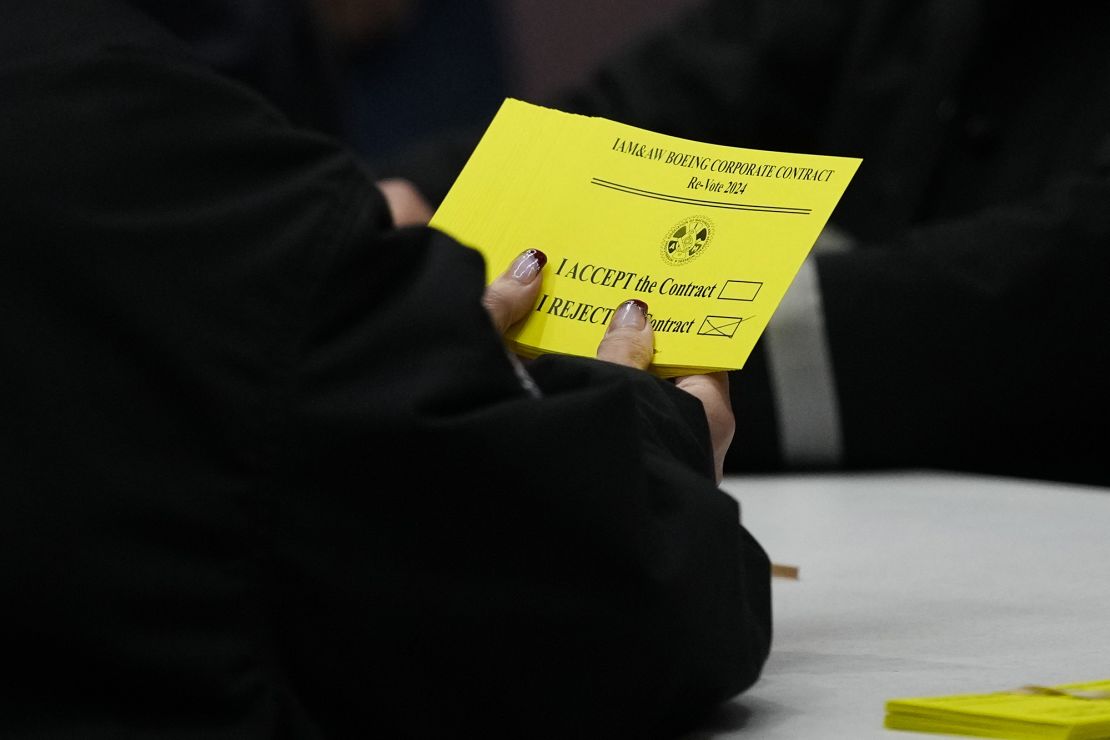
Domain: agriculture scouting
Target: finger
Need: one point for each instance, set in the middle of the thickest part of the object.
(628, 339)
(406, 204)
(511, 295)
(713, 392)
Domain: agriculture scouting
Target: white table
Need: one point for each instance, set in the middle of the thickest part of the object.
(919, 584)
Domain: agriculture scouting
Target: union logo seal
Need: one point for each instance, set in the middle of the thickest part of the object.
(686, 240)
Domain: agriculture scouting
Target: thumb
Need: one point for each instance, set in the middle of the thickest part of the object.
(513, 293)
(628, 339)
(406, 204)
(713, 391)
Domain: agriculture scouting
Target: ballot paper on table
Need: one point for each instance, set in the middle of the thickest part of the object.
(1079, 711)
(708, 236)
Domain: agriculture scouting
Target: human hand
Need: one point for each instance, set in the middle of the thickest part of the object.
(712, 390)
(508, 299)
(628, 341)
(511, 295)
(407, 205)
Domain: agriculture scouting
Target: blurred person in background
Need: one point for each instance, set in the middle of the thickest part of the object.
(952, 313)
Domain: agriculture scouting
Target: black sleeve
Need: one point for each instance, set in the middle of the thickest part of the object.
(469, 555)
(269, 463)
(968, 344)
(977, 343)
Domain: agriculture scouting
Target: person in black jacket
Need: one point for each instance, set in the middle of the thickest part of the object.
(268, 469)
(951, 314)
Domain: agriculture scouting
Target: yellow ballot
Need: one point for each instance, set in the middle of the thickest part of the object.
(708, 236)
(1079, 711)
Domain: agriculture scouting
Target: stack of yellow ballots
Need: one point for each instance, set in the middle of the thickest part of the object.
(1079, 711)
(709, 236)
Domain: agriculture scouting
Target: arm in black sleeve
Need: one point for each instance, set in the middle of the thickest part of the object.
(270, 462)
(466, 555)
(968, 344)
(976, 344)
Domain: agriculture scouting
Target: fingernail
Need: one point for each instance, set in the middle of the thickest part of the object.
(632, 313)
(525, 267)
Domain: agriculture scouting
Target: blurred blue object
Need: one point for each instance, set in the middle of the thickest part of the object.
(445, 70)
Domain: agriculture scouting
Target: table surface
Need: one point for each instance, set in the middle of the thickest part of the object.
(919, 584)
